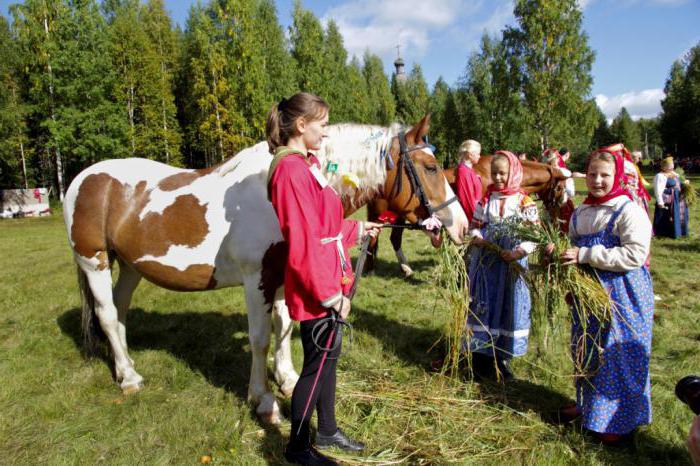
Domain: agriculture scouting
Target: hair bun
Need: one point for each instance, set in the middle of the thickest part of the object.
(283, 103)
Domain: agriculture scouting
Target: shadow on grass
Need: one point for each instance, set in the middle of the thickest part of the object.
(409, 343)
(522, 395)
(206, 341)
(211, 343)
(392, 268)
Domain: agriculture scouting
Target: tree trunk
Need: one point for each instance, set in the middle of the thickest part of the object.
(218, 119)
(130, 111)
(162, 99)
(21, 144)
(59, 162)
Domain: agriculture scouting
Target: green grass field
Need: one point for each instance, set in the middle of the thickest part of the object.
(58, 408)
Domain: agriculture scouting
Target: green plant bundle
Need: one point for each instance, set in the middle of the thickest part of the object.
(560, 291)
(689, 194)
(452, 278)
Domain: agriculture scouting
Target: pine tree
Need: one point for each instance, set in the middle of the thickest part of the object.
(13, 138)
(163, 38)
(359, 110)
(674, 108)
(382, 104)
(554, 67)
(307, 39)
(438, 122)
(625, 131)
(279, 66)
(411, 96)
(36, 24)
(601, 135)
(207, 102)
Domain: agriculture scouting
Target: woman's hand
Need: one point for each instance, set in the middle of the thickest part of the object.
(694, 441)
(569, 257)
(343, 307)
(549, 249)
(514, 255)
(372, 228)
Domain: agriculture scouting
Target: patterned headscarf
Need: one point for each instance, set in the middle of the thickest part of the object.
(515, 177)
(619, 182)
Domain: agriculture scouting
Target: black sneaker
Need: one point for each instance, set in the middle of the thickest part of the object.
(308, 457)
(503, 367)
(340, 440)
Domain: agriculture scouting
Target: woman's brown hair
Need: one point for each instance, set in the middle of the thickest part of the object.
(282, 118)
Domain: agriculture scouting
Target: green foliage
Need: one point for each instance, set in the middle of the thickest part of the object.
(382, 105)
(411, 96)
(680, 120)
(554, 61)
(624, 130)
(307, 38)
(12, 112)
(490, 100)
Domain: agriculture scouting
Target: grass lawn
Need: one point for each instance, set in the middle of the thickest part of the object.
(192, 349)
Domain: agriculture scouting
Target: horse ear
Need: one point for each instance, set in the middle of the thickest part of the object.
(419, 130)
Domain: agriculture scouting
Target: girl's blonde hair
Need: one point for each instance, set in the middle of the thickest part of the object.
(281, 121)
(601, 155)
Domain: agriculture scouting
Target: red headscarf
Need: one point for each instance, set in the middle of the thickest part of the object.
(515, 177)
(549, 154)
(619, 182)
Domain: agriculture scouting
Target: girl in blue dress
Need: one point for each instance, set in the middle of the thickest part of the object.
(499, 317)
(612, 234)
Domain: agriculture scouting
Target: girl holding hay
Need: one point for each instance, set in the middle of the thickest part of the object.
(612, 234)
(499, 318)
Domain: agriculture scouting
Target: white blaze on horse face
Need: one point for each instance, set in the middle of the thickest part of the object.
(455, 221)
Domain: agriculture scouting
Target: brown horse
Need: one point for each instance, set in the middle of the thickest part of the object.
(197, 230)
(545, 180)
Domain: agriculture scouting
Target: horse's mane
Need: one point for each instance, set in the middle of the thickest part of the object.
(357, 149)
(360, 150)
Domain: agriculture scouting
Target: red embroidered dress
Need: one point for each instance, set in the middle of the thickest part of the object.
(311, 218)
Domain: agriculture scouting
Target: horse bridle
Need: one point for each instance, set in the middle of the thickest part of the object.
(405, 163)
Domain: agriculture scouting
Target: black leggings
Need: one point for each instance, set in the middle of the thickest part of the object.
(323, 398)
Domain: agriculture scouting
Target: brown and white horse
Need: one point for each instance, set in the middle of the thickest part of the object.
(545, 180)
(196, 230)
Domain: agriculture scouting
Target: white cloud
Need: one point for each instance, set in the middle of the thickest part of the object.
(639, 104)
(381, 25)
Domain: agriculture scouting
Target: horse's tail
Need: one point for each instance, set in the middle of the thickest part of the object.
(91, 329)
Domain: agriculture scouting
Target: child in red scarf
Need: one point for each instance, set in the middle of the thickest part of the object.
(612, 233)
(500, 309)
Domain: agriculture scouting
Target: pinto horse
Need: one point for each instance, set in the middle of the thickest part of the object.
(546, 180)
(197, 230)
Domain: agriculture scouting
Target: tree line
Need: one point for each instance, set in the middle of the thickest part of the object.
(83, 81)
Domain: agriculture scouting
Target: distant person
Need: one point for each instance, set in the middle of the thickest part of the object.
(671, 214)
(468, 182)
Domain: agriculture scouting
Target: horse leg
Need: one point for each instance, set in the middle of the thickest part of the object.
(259, 327)
(123, 291)
(285, 375)
(396, 240)
(100, 283)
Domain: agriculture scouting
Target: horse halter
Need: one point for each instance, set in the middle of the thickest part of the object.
(405, 163)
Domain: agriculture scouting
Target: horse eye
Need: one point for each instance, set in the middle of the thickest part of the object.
(431, 168)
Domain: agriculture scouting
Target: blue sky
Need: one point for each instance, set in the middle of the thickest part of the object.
(635, 41)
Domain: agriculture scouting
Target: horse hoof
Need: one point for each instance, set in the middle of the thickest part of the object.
(407, 271)
(271, 419)
(287, 388)
(132, 388)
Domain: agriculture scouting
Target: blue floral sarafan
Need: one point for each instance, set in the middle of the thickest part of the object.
(616, 398)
